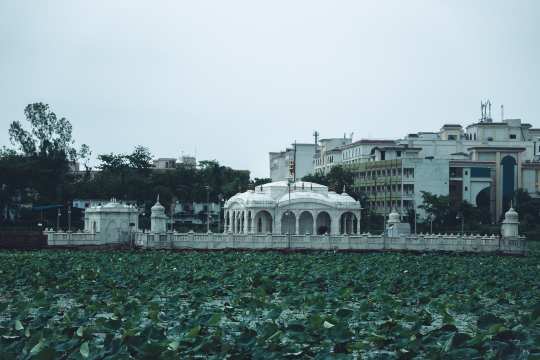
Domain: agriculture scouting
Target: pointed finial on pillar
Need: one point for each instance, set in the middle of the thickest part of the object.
(344, 188)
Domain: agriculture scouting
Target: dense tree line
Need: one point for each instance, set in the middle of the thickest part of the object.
(38, 171)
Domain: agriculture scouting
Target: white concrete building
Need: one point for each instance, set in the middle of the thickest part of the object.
(301, 154)
(297, 208)
(329, 153)
(164, 163)
(483, 164)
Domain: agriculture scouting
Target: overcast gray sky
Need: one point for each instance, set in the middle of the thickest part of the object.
(237, 79)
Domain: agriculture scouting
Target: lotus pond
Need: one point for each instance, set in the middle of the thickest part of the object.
(267, 305)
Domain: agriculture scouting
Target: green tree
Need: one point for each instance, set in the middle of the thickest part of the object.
(528, 209)
(316, 178)
(436, 207)
(140, 158)
(48, 136)
(259, 181)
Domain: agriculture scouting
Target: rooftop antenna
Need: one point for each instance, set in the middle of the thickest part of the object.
(316, 137)
(502, 112)
(489, 105)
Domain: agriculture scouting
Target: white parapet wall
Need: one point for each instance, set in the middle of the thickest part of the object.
(74, 239)
(363, 242)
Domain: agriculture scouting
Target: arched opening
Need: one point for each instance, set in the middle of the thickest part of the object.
(305, 223)
(324, 223)
(348, 223)
(288, 223)
(483, 199)
(508, 179)
(263, 220)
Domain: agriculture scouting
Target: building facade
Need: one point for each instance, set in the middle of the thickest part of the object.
(483, 164)
(299, 154)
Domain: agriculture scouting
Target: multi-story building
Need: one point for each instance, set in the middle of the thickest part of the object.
(281, 162)
(483, 164)
(329, 154)
(164, 163)
(186, 160)
(173, 163)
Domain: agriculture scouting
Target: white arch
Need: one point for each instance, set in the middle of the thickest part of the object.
(323, 223)
(306, 222)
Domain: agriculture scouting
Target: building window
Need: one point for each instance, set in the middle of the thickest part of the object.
(490, 139)
(512, 136)
(398, 153)
(474, 136)
(452, 137)
(466, 172)
(466, 188)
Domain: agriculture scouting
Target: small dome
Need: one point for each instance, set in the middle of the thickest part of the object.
(157, 206)
(393, 217)
(511, 215)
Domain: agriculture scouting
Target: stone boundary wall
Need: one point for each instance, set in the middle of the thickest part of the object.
(364, 242)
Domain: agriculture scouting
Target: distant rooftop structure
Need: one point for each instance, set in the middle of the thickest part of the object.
(188, 160)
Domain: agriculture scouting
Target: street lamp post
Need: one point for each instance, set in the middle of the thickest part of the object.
(58, 220)
(69, 218)
(289, 217)
(431, 224)
(220, 201)
(360, 208)
(461, 217)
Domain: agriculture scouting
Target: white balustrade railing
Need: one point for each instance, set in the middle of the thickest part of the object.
(366, 242)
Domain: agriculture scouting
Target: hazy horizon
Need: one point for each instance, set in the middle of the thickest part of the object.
(235, 80)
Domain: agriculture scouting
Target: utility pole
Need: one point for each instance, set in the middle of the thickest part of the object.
(207, 208)
(58, 220)
(401, 212)
(294, 174)
(289, 217)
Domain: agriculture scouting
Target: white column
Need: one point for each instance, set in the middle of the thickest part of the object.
(334, 224)
(314, 216)
(297, 218)
(244, 230)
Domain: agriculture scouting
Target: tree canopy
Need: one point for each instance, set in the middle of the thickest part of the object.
(48, 136)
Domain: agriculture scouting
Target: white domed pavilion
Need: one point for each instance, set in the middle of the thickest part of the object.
(297, 208)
